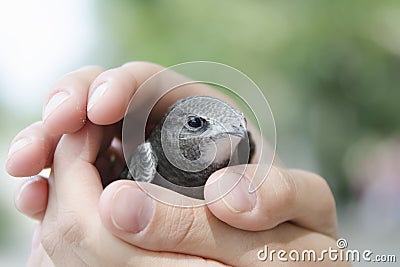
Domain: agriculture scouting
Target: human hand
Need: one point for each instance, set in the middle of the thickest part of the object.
(72, 233)
(283, 198)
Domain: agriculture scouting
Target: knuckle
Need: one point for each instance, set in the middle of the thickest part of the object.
(73, 79)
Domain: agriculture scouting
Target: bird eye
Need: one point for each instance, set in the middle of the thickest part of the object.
(195, 123)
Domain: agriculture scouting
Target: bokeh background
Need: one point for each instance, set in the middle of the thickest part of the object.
(330, 70)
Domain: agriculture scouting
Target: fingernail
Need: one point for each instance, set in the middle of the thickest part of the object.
(27, 183)
(54, 102)
(132, 209)
(97, 94)
(21, 143)
(239, 199)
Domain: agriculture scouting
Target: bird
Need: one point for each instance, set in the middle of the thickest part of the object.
(196, 137)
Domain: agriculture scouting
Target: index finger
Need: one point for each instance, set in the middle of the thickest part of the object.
(64, 109)
(110, 93)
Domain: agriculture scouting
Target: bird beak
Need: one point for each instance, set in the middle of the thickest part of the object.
(241, 134)
(239, 131)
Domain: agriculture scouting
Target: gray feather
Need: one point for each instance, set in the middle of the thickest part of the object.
(142, 164)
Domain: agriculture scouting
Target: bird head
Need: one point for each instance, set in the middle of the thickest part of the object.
(203, 129)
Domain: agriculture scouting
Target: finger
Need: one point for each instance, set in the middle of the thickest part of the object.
(31, 197)
(78, 182)
(64, 109)
(286, 195)
(112, 91)
(92, 145)
(31, 151)
(136, 218)
(115, 252)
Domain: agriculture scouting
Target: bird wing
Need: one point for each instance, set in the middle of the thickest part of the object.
(142, 164)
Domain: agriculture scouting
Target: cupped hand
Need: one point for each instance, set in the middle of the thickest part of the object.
(84, 226)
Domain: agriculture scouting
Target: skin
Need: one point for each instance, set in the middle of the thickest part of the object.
(81, 224)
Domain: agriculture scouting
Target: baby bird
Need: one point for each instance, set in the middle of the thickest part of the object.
(197, 136)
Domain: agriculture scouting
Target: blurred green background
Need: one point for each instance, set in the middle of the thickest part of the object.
(330, 70)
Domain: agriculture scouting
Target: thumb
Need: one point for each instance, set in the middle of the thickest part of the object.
(298, 196)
